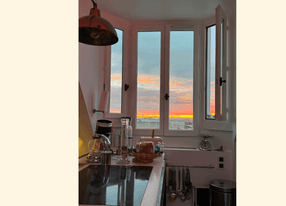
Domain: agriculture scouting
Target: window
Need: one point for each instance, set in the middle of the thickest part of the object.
(215, 72)
(158, 74)
(148, 80)
(165, 60)
(116, 74)
(220, 84)
(181, 80)
(210, 72)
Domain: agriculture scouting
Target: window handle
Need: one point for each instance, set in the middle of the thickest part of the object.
(126, 87)
(166, 96)
(221, 81)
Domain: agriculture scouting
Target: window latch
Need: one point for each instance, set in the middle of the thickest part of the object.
(126, 87)
(166, 96)
(221, 81)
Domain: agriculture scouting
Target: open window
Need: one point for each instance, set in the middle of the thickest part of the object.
(220, 69)
(115, 105)
(215, 68)
(116, 70)
(215, 73)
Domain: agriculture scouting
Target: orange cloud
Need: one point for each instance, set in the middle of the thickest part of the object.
(116, 78)
(148, 80)
(188, 99)
(173, 84)
(187, 116)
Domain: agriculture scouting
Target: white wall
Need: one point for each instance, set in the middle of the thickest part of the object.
(90, 70)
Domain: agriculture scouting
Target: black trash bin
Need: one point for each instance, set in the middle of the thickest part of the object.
(222, 193)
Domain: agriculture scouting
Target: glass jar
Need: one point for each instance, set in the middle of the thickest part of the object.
(146, 147)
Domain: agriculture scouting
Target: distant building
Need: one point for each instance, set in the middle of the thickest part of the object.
(174, 124)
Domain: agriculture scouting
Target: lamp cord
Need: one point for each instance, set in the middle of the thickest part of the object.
(94, 3)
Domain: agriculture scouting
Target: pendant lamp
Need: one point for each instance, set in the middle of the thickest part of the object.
(94, 30)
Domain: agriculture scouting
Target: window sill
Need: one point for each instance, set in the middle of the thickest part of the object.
(217, 125)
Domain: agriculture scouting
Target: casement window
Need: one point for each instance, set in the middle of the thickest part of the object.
(165, 60)
(215, 69)
(216, 83)
(148, 80)
(220, 82)
(210, 72)
(171, 77)
(115, 74)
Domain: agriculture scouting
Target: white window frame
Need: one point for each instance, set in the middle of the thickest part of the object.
(221, 122)
(168, 29)
(135, 30)
(207, 24)
(125, 67)
(164, 79)
(220, 15)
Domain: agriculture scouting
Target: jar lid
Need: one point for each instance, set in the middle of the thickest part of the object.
(223, 185)
(104, 123)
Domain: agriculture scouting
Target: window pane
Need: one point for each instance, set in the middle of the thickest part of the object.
(116, 74)
(148, 80)
(181, 80)
(210, 72)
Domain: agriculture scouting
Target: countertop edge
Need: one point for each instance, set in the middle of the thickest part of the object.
(161, 184)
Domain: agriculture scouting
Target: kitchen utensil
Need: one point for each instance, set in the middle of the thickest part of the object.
(180, 194)
(104, 126)
(170, 179)
(189, 186)
(170, 182)
(183, 197)
(96, 145)
(173, 194)
(205, 144)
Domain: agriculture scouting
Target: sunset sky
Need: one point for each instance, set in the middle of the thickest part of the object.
(148, 79)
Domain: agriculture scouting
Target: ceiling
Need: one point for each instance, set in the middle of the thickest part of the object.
(152, 10)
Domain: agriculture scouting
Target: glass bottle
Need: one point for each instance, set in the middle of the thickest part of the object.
(130, 137)
(123, 143)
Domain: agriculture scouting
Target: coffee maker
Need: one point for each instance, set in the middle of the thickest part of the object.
(100, 141)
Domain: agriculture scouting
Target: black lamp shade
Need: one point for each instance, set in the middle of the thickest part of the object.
(94, 30)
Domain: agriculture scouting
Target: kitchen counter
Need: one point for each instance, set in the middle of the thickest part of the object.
(153, 191)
